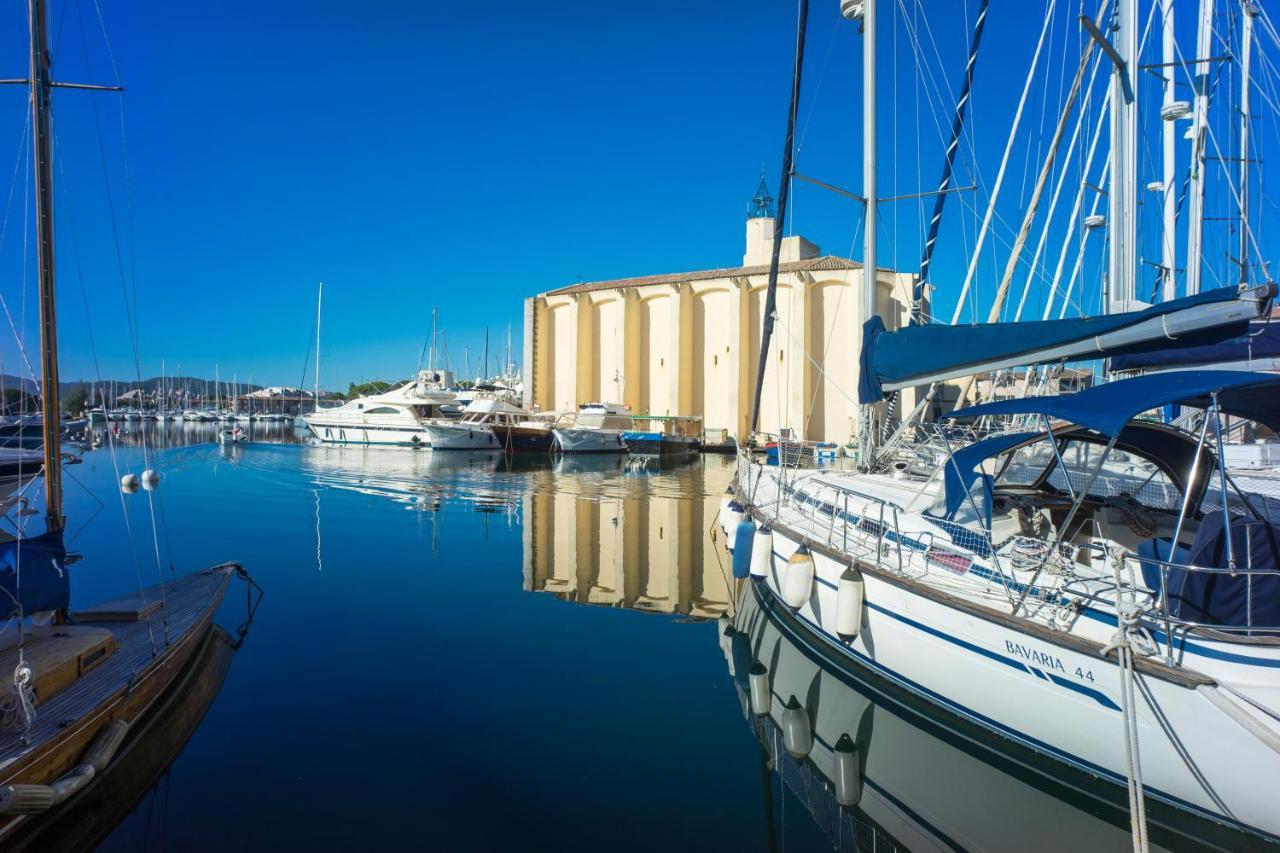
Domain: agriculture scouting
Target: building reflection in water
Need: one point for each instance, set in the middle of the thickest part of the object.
(629, 539)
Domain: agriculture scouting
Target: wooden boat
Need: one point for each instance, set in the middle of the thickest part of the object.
(73, 686)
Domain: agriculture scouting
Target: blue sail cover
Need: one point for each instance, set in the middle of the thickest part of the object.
(1108, 407)
(45, 584)
(915, 353)
(1261, 341)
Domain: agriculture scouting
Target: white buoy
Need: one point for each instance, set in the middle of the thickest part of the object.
(848, 772)
(797, 731)
(129, 483)
(761, 692)
(762, 553)
(851, 594)
(797, 580)
(729, 521)
(150, 479)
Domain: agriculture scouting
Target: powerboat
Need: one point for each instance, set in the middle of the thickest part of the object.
(476, 429)
(399, 416)
(659, 435)
(597, 428)
(1081, 588)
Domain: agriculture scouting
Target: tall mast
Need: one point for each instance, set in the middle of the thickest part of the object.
(1168, 231)
(41, 113)
(869, 283)
(319, 303)
(1195, 218)
(1249, 10)
(1122, 200)
(486, 353)
(431, 356)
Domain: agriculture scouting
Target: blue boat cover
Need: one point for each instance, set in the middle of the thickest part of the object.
(964, 477)
(1220, 598)
(1262, 340)
(927, 350)
(45, 584)
(1108, 407)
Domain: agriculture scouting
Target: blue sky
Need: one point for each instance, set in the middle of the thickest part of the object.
(466, 155)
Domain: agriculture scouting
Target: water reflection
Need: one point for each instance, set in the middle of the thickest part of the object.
(639, 546)
(877, 770)
(182, 434)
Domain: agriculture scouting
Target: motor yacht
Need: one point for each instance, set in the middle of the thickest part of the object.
(596, 428)
(399, 416)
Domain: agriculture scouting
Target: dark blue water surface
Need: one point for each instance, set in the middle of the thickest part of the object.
(452, 652)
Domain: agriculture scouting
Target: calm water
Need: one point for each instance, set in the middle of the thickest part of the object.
(458, 652)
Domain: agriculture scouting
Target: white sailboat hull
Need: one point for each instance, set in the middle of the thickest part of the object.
(1052, 694)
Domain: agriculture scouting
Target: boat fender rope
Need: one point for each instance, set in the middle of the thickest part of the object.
(1129, 636)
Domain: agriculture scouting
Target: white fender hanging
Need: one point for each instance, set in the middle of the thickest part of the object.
(724, 504)
(761, 692)
(850, 597)
(762, 553)
(729, 521)
(797, 581)
(150, 479)
(797, 731)
(129, 483)
(848, 773)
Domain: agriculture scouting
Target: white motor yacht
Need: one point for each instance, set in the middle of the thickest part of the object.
(475, 429)
(397, 417)
(597, 428)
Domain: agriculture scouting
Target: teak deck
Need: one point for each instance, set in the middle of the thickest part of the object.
(125, 684)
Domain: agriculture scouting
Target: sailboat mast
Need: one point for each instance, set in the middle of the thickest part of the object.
(431, 356)
(41, 108)
(319, 303)
(1199, 130)
(1168, 231)
(1246, 58)
(869, 283)
(1122, 200)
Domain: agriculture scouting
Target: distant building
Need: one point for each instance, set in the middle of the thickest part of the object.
(278, 399)
(689, 343)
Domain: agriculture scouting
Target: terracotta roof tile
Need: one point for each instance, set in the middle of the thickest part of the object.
(824, 263)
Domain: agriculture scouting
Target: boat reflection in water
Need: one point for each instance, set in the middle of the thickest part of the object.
(876, 771)
(143, 761)
(641, 545)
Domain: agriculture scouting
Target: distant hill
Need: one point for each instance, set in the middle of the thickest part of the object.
(179, 384)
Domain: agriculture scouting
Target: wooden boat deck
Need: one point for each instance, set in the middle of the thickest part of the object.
(187, 604)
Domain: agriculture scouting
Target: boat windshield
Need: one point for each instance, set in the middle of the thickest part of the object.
(1122, 473)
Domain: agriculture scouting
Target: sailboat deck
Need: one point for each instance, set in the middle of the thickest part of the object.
(186, 602)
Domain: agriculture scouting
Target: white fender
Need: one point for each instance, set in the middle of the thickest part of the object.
(850, 596)
(729, 521)
(761, 691)
(797, 731)
(762, 553)
(848, 774)
(797, 580)
(129, 483)
(150, 479)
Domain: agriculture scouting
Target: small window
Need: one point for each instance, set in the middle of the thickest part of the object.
(382, 410)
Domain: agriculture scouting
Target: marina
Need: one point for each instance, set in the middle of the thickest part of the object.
(961, 533)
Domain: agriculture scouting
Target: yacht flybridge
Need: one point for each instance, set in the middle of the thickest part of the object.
(400, 416)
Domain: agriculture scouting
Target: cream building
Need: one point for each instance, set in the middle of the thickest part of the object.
(689, 343)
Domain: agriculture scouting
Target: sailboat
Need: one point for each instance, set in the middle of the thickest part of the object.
(78, 683)
(1065, 571)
